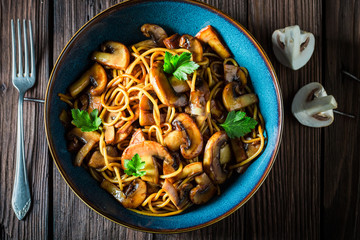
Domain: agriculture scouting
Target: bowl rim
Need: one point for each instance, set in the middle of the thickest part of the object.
(278, 95)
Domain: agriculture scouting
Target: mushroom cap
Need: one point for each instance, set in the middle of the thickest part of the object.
(312, 106)
(193, 45)
(235, 99)
(154, 31)
(214, 156)
(293, 47)
(193, 138)
(204, 191)
(114, 54)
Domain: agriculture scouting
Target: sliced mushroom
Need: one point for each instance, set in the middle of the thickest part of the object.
(97, 159)
(193, 45)
(204, 191)
(149, 43)
(209, 35)
(179, 85)
(172, 42)
(171, 191)
(190, 170)
(216, 154)
(89, 138)
(95, 75)
(173, 140)
(137, 137)
(199, 98)
(109, 134)
(122, 133)
(94, 103)
(238, 149)
(184, 194)
(148, 152)
(146, 116)
(114, 55)
(234, 98)
(293, 47)
(312, 106)
(155, 32)
(133, 196)
(217, 111)
(234, 73)
(193, 144)
(163, 89)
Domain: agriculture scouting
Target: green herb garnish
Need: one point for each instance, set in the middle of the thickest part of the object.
(237, 124)
(87, 122)
(179, 66)
(134, 166)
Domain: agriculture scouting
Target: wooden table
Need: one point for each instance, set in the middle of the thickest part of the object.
(313, 190)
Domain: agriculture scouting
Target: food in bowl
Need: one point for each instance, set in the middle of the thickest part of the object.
(162, 124)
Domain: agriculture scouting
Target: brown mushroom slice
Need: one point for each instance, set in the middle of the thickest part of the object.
(209, 35)
(190, 170)
(163, 89)
(199, 98)
(152, 187)
(193, 144)
(155, 32)
(234, 73)
(173, 140)
(94, 103)
(238, 149)
(97, 159)
(149, 43)
(204, 191)
(193, 45)
(122, 134)
(114, 55)
(133, 196)
(171, 191)
(96, 75)
(252, 148)
(146, 118)
(179, 85)
(184, 194)
(137, 137)
(148, 152)
(216, 152)
(217, 111)
(233, 100)
(109, 134)
(172, 42)
(89, 138)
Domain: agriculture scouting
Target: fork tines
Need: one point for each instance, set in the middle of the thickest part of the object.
(20, 53)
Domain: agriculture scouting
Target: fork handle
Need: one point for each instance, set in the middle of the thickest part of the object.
(21, 199)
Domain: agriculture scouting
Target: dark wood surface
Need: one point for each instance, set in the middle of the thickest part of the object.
(313, 190)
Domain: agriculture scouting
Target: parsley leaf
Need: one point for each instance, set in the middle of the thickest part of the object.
(179, 66)
(87, 122)
(237, 124)
(134, 166)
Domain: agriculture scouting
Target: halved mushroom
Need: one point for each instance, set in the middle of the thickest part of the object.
(172, 42)
(137, 137)
(89, 138)
(133, 196)
(235, 99)
(209, 35)
(234, 73)
(114, 55)
(156, 33)
(193, 45)
(204, 191)
(149, 151)
(313, 107)
(293, 47)
(216, 154)
(95, 75)
(199, 98)
(193, 144)
(163, 89)
(173, 140)
(97, 159)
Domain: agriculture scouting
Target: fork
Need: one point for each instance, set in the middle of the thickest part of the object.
(22, 81)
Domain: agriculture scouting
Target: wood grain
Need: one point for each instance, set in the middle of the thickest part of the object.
(313, 190)
(36, 153)
(341, 192)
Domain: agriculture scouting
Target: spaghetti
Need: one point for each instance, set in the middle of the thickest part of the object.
(185, 151)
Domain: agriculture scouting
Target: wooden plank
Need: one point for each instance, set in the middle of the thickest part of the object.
(35, 223)
(287, 206)
(341, 192)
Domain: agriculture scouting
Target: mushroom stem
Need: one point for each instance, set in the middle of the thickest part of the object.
(320, 104)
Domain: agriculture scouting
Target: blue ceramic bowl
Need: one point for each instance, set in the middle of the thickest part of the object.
(121, 23)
